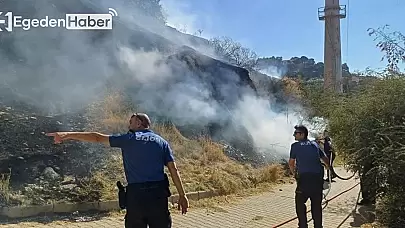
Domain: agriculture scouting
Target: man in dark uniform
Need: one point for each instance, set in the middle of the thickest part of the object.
(144, 156)
(305, 163)
(327, 145)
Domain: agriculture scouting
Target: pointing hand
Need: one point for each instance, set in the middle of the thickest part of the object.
(57, 136)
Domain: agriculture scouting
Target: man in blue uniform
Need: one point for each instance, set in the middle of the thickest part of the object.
(305, 164)
(144, 156)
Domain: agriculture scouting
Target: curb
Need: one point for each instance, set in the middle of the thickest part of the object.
(28, 211)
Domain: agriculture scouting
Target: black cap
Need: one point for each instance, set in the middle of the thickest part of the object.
(302, 128)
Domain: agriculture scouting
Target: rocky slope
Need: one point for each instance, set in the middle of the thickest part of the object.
(26, 151)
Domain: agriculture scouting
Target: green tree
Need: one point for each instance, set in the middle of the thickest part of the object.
(392, 44)
(302, 66)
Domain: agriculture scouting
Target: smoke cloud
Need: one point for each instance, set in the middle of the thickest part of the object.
(273, 71)
(63, 70)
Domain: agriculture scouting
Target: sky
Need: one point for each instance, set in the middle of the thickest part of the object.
(290, 28)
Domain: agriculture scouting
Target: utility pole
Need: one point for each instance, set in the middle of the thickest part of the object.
(331, 14)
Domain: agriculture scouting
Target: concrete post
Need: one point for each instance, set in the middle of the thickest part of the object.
(331, 14)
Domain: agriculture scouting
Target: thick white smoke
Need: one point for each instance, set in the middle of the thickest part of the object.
(273, 71)
(61, 71)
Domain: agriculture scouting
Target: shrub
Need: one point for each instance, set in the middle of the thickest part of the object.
(4, 188)
(368, 128)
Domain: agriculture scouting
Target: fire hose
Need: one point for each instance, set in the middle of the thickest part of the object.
(354, 211)
(326, 201)
(343, 178)
(324, 206)
(336, 175)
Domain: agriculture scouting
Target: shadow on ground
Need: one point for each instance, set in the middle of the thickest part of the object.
(363, 215)
(49, 218)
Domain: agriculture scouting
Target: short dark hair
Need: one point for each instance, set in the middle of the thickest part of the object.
(302, 129)
(143, 118)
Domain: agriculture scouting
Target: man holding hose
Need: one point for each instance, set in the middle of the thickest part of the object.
(330, 152)
(305, 164)
(144, 156)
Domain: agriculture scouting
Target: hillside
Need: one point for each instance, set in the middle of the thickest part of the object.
(127, 57)
(35, 171)
(54, 79)
(296, 67)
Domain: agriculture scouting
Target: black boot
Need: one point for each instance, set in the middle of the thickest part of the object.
(366, 202)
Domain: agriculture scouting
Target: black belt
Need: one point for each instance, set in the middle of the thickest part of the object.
(148, 185)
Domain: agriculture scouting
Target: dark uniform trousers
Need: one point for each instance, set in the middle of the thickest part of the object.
(331, 171)
(368, 183)
(147, 205)
(309, 186)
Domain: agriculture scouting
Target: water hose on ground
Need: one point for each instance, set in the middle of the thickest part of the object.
(325, 204)
(353, 212)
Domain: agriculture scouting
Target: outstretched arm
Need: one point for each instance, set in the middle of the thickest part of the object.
(80, 136)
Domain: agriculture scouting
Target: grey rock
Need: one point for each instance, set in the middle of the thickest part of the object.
(50, 174)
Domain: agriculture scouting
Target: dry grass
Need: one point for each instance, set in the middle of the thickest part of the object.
(372, 225)
(5, 188)
(292, 87)
(202, 162)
